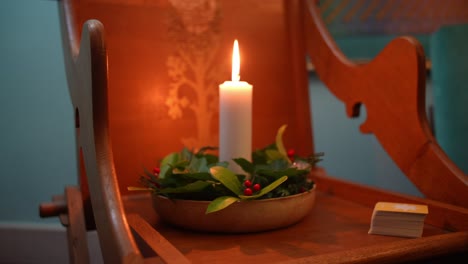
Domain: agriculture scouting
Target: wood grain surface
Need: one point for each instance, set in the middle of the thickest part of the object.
(143, 79)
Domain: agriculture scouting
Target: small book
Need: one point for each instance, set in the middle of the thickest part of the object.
(398, 219)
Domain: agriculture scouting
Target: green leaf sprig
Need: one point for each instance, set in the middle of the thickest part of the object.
(201, 176)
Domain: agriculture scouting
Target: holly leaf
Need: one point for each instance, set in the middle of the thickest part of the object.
(246, 165)
(202, 176)
(172, 158)
(278, 173)
(273, 154)
(180, 166)
(191, 187)
(185, 154)
(165, 170)
(166, 164)
(266, 189)
(227, 178)
(279, 143)
(198, 165)
(202, 150)
(220, 203)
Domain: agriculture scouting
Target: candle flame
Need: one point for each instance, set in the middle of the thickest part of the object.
(235, 62)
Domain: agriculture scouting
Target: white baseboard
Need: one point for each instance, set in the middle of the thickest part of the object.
(38, 243)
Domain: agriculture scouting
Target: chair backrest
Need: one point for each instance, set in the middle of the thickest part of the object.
(166, 60)
(143, 78)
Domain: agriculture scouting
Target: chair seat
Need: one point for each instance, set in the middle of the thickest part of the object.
(335, 231)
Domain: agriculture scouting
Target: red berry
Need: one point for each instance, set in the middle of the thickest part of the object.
(257, 187)
(156, 170)
(302, 189)
(291, 153)
(247, 183)
(248, 191)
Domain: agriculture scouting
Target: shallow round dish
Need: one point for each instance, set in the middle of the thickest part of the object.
(240, 217)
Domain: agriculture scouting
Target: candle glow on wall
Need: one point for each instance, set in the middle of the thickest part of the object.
(235, 116)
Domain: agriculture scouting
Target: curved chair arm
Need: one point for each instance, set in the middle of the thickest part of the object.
(392, 88)
(89, 71)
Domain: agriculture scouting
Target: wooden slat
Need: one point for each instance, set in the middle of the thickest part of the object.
(64, 216)
(76, 231)
(165, 250)
(396, 252)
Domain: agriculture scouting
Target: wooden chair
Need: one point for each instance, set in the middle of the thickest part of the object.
(143, 79)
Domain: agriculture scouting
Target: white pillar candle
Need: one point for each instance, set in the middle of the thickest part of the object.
(235, 117)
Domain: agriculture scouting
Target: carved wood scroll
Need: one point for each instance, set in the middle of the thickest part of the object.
(392, 88)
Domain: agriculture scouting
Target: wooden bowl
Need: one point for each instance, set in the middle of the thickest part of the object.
(240, 217)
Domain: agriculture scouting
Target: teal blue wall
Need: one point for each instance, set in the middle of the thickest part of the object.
(450, 77)
(36, 140)
(37, 158)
